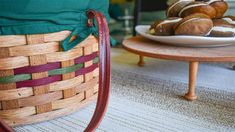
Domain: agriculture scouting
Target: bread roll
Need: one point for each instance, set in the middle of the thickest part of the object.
(198, 7)
(174, 9)
(220, 6)
(164, 27)
(195, 25)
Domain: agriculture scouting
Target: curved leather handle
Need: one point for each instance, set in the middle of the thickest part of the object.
(4, 127)
(104, 72)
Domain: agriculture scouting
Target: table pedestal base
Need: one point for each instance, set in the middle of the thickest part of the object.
(141, 61)
(193, 69)
(190, 97)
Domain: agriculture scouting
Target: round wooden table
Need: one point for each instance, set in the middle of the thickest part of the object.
(144, 47)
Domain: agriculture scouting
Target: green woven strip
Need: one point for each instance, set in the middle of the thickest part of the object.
(16, 78)
(65, 70)
(24, 77)
(96, 60)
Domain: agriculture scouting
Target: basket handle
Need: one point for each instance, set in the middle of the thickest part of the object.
(104, 69)
(4, 127)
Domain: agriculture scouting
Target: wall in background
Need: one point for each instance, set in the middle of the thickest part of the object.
(231, 10)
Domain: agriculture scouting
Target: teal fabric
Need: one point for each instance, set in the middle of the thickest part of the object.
(46, 16)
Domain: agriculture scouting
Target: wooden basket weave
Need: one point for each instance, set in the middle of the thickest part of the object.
(39, 81)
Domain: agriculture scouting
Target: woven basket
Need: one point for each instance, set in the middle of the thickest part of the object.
(39, 81)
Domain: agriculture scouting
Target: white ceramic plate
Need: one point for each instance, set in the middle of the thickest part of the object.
(189, 41)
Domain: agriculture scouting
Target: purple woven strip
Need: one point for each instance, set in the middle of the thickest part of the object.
(86, 58)
(35, 69)
(39, 82)
(86, 70)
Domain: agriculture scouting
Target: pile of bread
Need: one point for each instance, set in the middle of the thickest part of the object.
(189, 17)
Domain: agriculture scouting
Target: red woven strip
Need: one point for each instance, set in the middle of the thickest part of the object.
(86, 70)
(52, 66)
(86, 58)
(48, 80)
(38, 82)
(39, 68)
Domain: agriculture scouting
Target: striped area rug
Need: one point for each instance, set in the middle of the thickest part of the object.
(143, 104)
